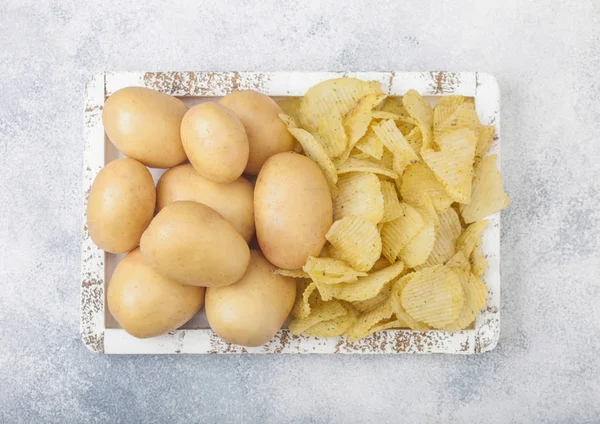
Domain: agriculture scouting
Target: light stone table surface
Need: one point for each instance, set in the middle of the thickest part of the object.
(546, 56)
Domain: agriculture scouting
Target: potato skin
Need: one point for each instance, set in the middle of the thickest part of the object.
(252, 310)
(145, 303)
(192, 244)
(120, 205)
(292, 208)
(215, 142)
(144, 124)
(267, 134)
(235, 201)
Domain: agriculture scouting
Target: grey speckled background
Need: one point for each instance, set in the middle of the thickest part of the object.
(546, 55)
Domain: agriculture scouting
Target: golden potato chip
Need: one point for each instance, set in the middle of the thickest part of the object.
(418, 180)
(380, 114)
(434, 296)
(359, 117)
(460, 261)
(357, 165)
(369, 319)
(419, 248)
(453, 163)
(328, 291)
(418, 109)
(306, 297)
(381, 263)
(415, 139)
(396, 234)
(359, 193)
(479, 264)
(485, 139)
(475, 296)
(391, 204)
(322, 312)
(290, 107)
(444, 108)
(371, 285)
(332, 134)
(394, 105)
(356, 240)
(399, 311)
(330, 271)
(464, 116)
(294, 273)
(368, 304)
(333, 327)
(488, 195)
(388, 325)
(339, 94)
(394, 141)
(370, 144)
(444, 247)
(470, 237)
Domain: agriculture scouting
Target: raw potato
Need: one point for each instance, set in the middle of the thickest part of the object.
(252, 310)
(191, 243)
(120, 205)
(267, 134)
(215, 142)
(145, 303)
(292, 209)
(144, 125)
(235, 201)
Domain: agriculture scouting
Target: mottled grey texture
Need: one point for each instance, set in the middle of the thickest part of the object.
(546, 55)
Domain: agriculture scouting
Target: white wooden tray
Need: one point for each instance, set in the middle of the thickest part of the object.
(99, 331)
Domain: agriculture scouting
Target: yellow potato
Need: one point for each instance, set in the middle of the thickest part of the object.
(235, 201)
(267, 135)
(191, 243)
(292, 208)
(144, 125)
(145, 303)
(252, 310)
(120, 205)
(215, 142)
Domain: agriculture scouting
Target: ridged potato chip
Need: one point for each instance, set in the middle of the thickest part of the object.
(356, 240)
(394, 141)
(444, 108)
(399, 311)
(448, 231)
(453, 163)
(419, 110)
(488, 195)
(330, 271)
(359, 117)
(332, 134)
(370, 144)
(434, 296)
(368, 304)
(404, 122)
(418, 180)
(291, 107)
(464, 116)
(328, 291)
(368, 320)
(380, 114)
(359, 193)
(381, 263)
(460, 261)
(415, 139)
(391, 204)
(479, 264)
(419, 248)
(357, 165)
(333, 327)
(475, 296)
(470, 237)
(388, 325)
(322, 312)
(396, 234)
(370, 286)
(485, 139)
(306, 297)
(294, 273)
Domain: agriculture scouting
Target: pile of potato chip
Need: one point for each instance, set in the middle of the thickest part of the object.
(411, 188)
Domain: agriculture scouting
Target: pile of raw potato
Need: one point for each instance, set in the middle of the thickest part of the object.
(368, 211)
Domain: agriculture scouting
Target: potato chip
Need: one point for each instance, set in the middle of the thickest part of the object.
(370, 144)
(359, 193)
(488, 195)
(485, 139)
(381, 263)
(415, 139)
(332, 134)
(330, 271)
(475, 296)
(479, 264)
(434, 296)
(453, 163)
(306, 297)
(294, 273)
(290, 107)
(328, 291)
(399, 311)
(394, 141)
(380, 114)
(460, 261)
(388, 325)
(368, 304)
(418, 180)
(333, 327)
(447, 233)
(370, 286)
(357, 165)
(419, 248)
(356, 240)
(470, 237)
(396, 234)
(444, 108)
(391, 204)
(359, 117)
(418, 109)
(339, 94)
(464, 116)
(368, 320)
(322, 312)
